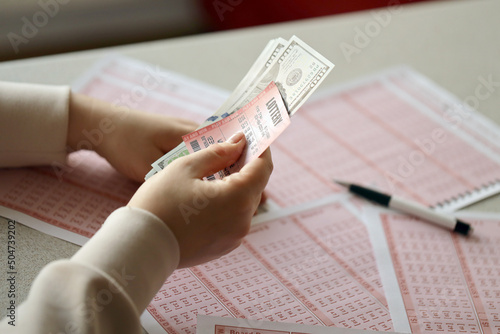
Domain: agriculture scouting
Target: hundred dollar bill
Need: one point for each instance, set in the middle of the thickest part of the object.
(295, 67)
(265, 59)
(262, 121)
(297, 72)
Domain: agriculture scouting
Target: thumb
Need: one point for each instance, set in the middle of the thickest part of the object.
(216, 157)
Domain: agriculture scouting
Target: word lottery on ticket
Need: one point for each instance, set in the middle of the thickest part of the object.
(262, 121)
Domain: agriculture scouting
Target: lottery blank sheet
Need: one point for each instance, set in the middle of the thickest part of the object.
(311, 258)
(379, 132)
(448, 283)
(288, 270)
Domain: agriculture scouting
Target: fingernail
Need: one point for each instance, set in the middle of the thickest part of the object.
(236, 138)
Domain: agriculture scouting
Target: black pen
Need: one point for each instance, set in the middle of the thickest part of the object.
(409, 207)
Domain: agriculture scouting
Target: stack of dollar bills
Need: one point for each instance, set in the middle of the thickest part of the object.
(296, 69)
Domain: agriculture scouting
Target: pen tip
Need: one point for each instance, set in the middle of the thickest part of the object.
(463, 228)
(342, 183)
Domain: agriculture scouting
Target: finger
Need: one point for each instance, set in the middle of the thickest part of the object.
(214, 158)
(263, 198)
(256, 173)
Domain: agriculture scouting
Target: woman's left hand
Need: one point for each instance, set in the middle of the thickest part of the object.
(130, 140)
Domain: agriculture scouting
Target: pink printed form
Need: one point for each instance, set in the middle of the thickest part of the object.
(262, 120)
(312, 268)
(449, 283)
(374, 135)
(77, 199)
(452, 110)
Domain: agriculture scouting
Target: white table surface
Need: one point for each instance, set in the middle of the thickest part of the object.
(453, 42)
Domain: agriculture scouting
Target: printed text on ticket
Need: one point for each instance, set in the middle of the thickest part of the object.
(262, 120)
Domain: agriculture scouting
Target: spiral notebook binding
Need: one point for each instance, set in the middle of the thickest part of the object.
(469, 197)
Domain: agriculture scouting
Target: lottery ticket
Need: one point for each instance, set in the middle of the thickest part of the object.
(262, 120)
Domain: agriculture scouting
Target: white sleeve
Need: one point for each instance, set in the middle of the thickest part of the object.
(107, 284)
(33, 124)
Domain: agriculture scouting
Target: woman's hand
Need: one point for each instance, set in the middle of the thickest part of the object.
(208, 218)
(130, 140)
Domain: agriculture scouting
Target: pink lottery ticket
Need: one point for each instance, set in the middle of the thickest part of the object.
(262, 121)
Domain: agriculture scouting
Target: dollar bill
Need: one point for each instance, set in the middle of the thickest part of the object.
(297, 72)
(265, 59)
(295, 67)
(179, 151)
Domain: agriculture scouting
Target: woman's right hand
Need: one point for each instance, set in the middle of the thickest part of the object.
(208, 218)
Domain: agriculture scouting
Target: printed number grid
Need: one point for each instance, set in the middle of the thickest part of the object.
(376, 135)
(448, 108)
(289, 270)
(449, 283)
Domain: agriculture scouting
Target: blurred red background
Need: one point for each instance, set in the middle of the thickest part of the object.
(230, 14)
